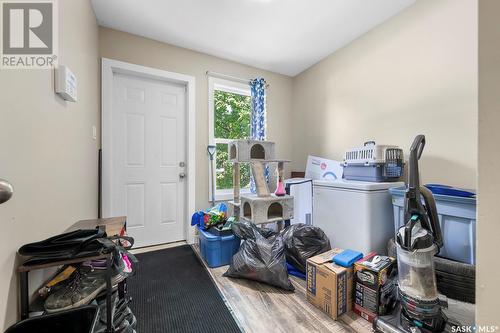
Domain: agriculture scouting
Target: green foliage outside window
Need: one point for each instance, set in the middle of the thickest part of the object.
(232, 121)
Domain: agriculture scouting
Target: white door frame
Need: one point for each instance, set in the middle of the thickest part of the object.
(108, 68)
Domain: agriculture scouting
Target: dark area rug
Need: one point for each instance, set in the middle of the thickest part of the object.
(172, 292)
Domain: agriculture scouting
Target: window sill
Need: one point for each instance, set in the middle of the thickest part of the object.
(227, 195)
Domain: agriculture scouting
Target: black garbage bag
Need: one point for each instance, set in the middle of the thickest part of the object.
(303, 242)
(261, 257)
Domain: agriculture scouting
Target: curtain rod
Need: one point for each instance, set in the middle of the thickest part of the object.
(229, 77)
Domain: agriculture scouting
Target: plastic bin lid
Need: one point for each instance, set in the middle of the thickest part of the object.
(400, 191)
(357, 185)
(450, 190)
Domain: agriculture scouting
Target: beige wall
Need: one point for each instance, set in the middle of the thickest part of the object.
(488, 228)
(142, 51)
(416, 73)
(46, 147)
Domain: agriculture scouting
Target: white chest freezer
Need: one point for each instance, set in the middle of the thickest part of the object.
(355, 215)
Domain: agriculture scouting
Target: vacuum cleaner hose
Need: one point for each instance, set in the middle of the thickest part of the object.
(379, 325)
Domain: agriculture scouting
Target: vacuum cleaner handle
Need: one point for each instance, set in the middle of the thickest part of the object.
(416, 150)
(418, 145)
(430, 205)
(412, 197)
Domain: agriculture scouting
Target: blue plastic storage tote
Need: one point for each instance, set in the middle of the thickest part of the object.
(457, 217)
(217, 250)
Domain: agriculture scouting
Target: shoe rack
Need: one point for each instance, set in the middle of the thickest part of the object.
(112, 226)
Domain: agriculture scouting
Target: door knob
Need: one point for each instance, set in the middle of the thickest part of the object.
(182, 175)
(6, 190)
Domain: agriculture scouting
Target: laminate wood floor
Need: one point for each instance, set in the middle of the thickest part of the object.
(258, 307)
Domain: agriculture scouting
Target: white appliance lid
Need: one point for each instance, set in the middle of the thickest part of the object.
(357, 185)
(292, 181)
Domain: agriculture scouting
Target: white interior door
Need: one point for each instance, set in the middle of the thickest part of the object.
(148, 154)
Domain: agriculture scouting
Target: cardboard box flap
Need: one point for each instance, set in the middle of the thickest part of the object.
(368, 262)
(334, 267)
(325, 256)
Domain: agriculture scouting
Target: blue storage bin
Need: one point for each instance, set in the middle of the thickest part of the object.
(217, 250)
(457, 217)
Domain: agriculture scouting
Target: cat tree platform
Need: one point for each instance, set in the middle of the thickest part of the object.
(262, 210)
(248, 150)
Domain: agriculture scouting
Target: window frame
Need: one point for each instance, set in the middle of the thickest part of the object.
(230, 86)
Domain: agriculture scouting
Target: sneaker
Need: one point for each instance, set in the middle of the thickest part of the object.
(99, 266)
(123, 318)
(81, 290)
(130, 317)
(101, 326)
(124, 327)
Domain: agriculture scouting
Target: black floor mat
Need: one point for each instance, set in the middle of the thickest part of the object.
(172, 292)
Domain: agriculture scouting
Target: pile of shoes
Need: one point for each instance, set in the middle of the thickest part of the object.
(86, 282)
(124, 320)
(96, 260)
(77, 285)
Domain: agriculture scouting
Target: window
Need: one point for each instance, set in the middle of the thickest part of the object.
(230, 112)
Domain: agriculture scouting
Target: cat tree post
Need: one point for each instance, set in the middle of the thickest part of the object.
(236, 182)
(260, 179)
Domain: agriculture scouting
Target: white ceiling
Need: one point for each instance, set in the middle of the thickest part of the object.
(283, 36)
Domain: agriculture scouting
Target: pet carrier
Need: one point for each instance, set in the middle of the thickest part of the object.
(374, 163)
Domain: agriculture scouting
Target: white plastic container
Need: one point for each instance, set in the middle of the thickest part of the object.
(355, 215)
(301, 191)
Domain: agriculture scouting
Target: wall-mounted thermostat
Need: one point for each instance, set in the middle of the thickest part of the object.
(65, 83)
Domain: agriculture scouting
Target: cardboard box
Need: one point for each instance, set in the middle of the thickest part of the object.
(374, 280)
(329, 286)
(322, 168)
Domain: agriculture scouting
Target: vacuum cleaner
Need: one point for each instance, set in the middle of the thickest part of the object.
(418, 308)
